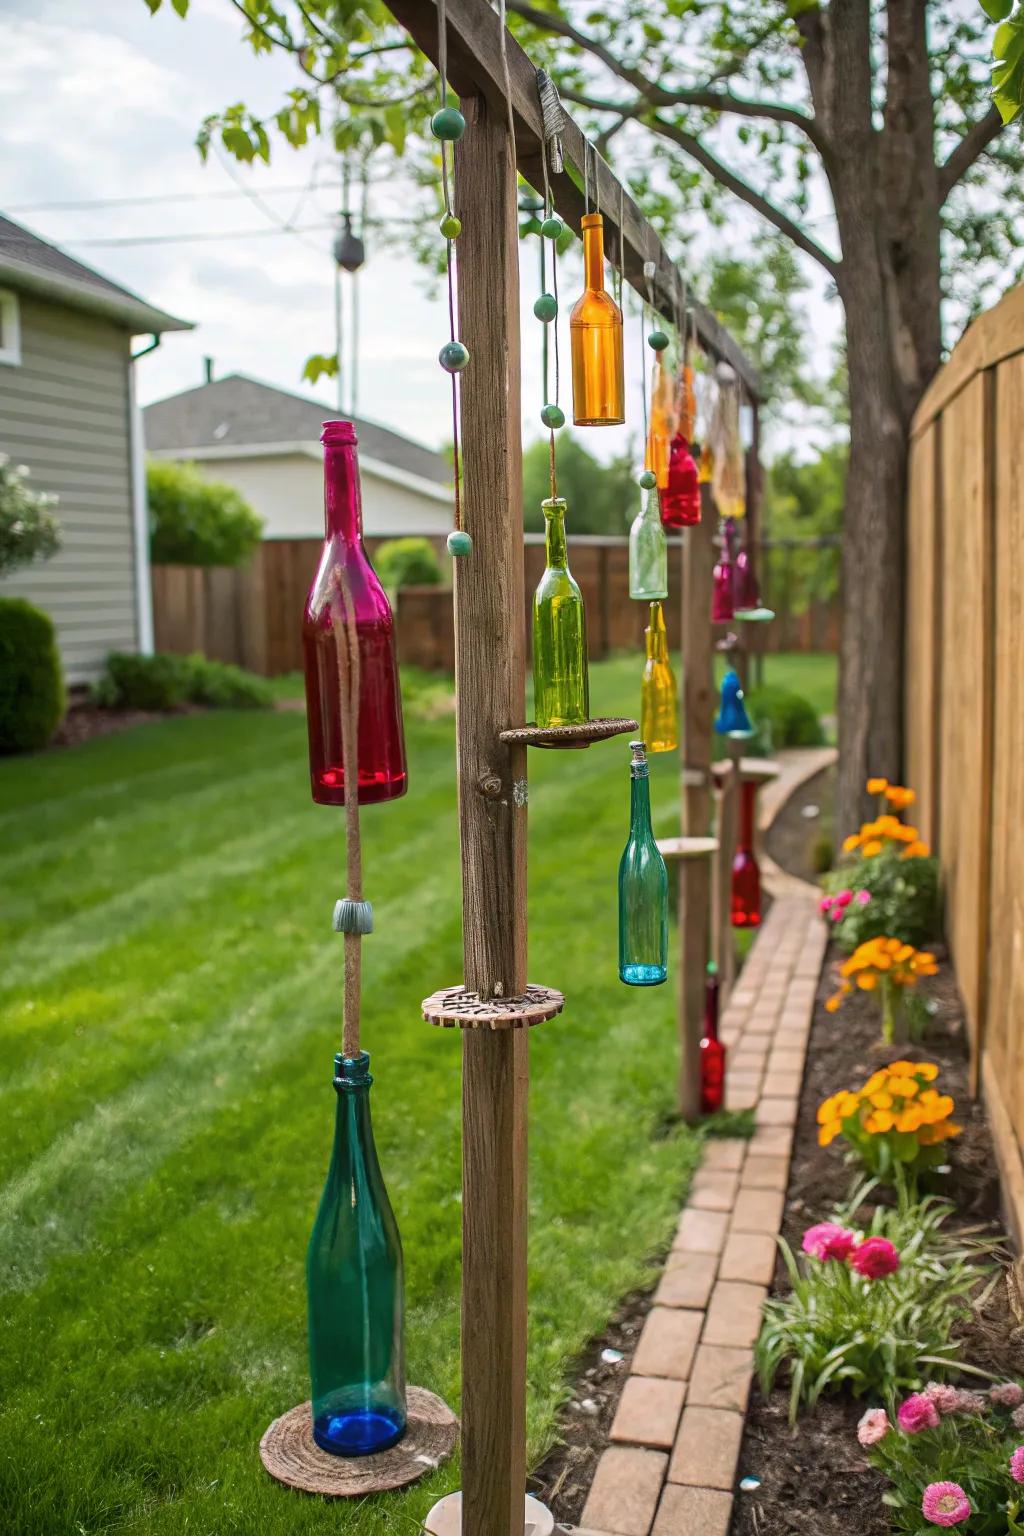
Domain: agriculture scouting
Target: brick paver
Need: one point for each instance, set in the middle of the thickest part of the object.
(688, 1280)
(721, 1377)
(734, 1314)
(693, 1512)
(702, 1231)
(648, 1411)
(668, 1343)
(707, 1448)
(624, 1494)
(749, 1256)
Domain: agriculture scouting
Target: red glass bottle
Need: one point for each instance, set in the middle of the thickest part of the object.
(343, 575)
(746, 877)
(723, 580)
(680, 500)
(712, 1051)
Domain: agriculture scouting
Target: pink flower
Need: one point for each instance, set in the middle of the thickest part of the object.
(945, 1504)
(944, 1397)
(837, 914)
(874, 1258)
(829, 1241)
(970, 1402)
(874, 1426)
(1017, 1465)
(917, 1412)
(844, 898)
(862, 898)
(1017, 1417)
(824, 903)
(1007, 1394)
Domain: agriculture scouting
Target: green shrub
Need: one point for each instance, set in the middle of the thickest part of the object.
(904, 901)
(32, 694)
(837, 1328)
(783, 718)
(194, 521)
(407, 563)
(164, 683)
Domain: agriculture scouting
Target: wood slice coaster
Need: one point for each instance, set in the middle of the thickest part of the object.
(568, 737)
(292, 1456)
(455, 1008)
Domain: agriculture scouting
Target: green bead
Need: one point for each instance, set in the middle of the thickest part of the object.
(448, 124)
(546, 307)
(451, 227)
(459, 543)
(552, 228)
(657, 341)
(553, 416)
(648, 480)
(453, 357)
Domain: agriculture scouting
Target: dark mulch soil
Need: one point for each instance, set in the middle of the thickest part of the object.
(814, 1479)
(805, 829)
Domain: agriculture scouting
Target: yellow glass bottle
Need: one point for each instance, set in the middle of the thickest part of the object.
(659, 698)
(595, 329)
(661, 429)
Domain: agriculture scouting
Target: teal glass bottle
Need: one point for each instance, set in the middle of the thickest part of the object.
(648, 551)
(643, 888)
(355, 1287)
(561, 687)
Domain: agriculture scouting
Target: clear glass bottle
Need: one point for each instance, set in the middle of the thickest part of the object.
(643, 888)
(561, 687)
(648, 551)
(712, 1051)
(354, 1285)
(746, 876)
(659, 697)
(345, 569)
(595, 333)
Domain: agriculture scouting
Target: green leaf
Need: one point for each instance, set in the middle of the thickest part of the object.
(320, 366)
(181, 7)
(997, 10)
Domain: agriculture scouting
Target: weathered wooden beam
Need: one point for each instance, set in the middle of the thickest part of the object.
(475, 66)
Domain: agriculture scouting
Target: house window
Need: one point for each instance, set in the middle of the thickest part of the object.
(10, 329)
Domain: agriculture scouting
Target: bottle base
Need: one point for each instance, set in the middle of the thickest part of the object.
(329, 789)
(643, 975)
(359, 1433)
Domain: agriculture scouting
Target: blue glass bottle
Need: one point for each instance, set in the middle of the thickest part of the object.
(355, 1287)
(643, 888)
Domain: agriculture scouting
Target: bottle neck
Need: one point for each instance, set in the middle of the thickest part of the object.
(711, 1008)
(556, 551)
(748, 794)
(593, 257)
(656, 636)
(640, 802)
(343, 513)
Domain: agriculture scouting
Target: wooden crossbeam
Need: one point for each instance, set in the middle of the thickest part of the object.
(475, 68)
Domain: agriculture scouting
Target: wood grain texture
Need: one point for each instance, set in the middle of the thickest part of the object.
(490, 652)
(923, 630)
(698, 700)
(726, 797)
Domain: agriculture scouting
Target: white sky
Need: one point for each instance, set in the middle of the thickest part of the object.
(103, 101)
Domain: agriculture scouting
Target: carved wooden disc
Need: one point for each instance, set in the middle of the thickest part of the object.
(569, 736)
(455, 1008)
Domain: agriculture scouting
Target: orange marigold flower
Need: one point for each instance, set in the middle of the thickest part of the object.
(899, 1068)
(851, 842)
(903, 1087)
(881, 1121)
(832, 1003)
(926, 1069)
(875, 1081)
(877, 786)
(910, 1119)
(871, 848)
(867, 981)
(829, 1132)
(916, 850)
(881, 1100)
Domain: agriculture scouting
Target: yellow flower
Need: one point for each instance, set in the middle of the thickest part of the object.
(826, 1109)
(868, 981)
(877, 786)
(900, 1068)
(916, 850)
(903, 1087)
(881, 1100)
(926, 1069)
(829, 1132)
(910, 1119)
(881, 1121)
(875, 1081)
(851, 842)
(871, 849)
(832, 1003)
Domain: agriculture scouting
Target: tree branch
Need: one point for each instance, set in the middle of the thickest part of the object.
(974, 143)
(735, 184)
(708, 97)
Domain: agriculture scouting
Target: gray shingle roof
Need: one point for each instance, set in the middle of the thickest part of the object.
(237, 410)
(31, 264)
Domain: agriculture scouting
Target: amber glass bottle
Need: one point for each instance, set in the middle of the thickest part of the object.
(595, 328)
(659, 699)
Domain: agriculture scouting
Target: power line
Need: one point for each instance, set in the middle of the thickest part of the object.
(162, 197)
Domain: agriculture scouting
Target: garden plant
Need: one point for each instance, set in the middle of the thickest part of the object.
(896, 1124)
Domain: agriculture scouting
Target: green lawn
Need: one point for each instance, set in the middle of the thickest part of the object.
(169, 1009)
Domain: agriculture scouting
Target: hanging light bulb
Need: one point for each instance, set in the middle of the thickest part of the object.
(732, 718)
(747, 604)
(349, 250)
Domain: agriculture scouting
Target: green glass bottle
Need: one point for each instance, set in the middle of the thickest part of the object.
(643, 888)
(648, 552)
(561, 687)
(355, 1287)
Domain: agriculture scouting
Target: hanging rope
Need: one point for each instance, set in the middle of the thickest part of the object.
(447, 184)
(353, 917)
(553, 117)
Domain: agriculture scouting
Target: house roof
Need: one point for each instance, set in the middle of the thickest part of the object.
(241, 413)
(31, 265)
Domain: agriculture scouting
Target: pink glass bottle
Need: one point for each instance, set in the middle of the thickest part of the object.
(345, 571)
(712, 1051)
(746, 877)
(680, 500)
(723, 581)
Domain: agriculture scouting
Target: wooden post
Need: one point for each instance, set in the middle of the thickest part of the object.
(727, 799)
(695, 755)
(490, 662)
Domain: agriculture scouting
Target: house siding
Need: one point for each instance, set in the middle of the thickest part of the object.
(64, 411)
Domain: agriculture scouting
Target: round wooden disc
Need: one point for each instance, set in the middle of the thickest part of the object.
(455, 1008)
(569, 736)
(292, 1456)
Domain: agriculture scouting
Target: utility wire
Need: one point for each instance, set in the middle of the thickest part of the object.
(162, 197)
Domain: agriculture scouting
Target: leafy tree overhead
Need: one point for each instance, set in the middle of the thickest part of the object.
(859, 131)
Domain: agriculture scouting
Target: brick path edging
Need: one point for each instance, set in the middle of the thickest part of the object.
(671, 1467)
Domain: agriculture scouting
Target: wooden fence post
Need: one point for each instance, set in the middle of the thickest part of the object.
(490, 664)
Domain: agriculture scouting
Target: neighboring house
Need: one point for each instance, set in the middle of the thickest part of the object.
(265, 442)
(68, 411)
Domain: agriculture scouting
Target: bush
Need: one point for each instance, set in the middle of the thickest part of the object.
(28, 529)
(165, 683)
(32, 695)
(407, 563)
(854, 1321)
(904, 900)
(194, 521)
(783, 718)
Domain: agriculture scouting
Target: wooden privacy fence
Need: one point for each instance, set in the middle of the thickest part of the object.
(964, 677)
(250, 615)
